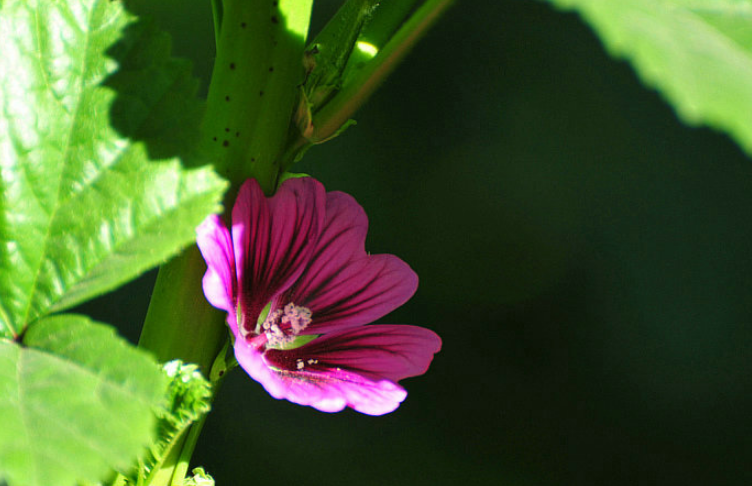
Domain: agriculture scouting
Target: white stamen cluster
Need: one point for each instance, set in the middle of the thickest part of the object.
(297, 316)
(283, 325)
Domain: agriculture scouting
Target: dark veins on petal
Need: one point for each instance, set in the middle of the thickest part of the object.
(349, 304)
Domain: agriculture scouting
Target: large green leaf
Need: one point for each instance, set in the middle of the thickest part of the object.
(698, 53)
(75, 401)
(83, 208)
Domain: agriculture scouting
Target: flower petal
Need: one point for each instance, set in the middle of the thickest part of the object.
(356, 368)
(332, 390)
(343, 285)
(376, 352)
(273, 238)
(326, 390)
(214, 242)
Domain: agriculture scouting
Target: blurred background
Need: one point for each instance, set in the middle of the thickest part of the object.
(585, 257)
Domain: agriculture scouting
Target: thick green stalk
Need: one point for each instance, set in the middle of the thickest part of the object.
(180, 323)
(254, 87)
(249, 106)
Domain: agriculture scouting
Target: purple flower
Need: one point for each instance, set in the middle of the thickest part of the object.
(299, 289)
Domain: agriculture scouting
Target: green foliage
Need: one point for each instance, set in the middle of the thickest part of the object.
(328, 55)
(94, 116)
(189, 395)
(348, 59)
(188, 399)
(75, 400)
(156, 94)
(199, 478)
(83, 209)
(696, 52)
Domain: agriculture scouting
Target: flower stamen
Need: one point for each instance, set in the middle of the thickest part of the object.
(282, 326)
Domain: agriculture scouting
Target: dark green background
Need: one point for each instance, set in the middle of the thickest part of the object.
(584, 256)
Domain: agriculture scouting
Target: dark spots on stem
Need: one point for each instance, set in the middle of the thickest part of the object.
(275, 20)
(232, 66)
(214, 138)
(227, 98)
(243, 25)
(261, 93)
(225, 143)
(271, 69)
(237, 134)
(227, 129)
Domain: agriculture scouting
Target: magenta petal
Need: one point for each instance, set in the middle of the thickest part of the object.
(252, 361)
(214, 242)
(333, 390)
(343, 286)
(327, 390)
(376, 352)
(273, 238)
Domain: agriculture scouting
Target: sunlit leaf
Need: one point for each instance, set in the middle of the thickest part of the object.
(75, 401)
(697, 53)
(84, 203)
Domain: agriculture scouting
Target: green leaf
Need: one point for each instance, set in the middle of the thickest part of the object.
(75, 400)
(189, 395)
(83, 208)
(698, 53)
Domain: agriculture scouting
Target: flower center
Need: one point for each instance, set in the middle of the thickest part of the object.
(282, 326)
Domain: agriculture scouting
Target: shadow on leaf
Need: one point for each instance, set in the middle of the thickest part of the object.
(156, 99)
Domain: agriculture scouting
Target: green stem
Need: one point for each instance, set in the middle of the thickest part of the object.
(178, 458)
(253, 91)
(172, 468)
(254, 88)
(224, 362)
(186, 451)
(180, 323)
(165, 474)
(335, 114)
(389, 17)
(217, 16)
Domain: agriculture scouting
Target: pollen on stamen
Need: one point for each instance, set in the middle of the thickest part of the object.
(299, 364)
(297, 316)
(282, 326)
